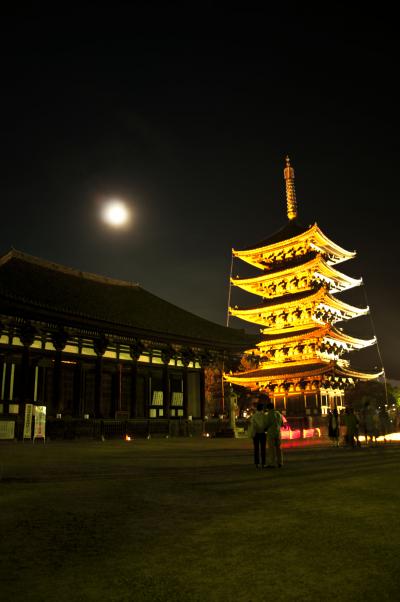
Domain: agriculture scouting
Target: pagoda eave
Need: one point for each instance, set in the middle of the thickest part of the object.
(305, 371)
(314, 270)
(327, 334)
(316, 238)
(293, 299)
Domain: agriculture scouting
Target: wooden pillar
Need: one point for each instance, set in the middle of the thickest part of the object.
(98, 386)
(166, 355)
(24, 393)
(185, 391)
(3, 379)
(78, 400)
(114, 403)
(133, 408)
(202, 394)
(166, 393)
(35, 372)
(187, 357)
(27, 336)
(100, 346)
(56, 398)
(118, 388)
(59, 340)
(147, 387)
(12, 377)
(135, 350)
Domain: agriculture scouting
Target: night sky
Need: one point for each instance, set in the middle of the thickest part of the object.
(187, 115)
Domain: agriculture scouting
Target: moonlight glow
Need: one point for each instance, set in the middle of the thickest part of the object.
(116, 214)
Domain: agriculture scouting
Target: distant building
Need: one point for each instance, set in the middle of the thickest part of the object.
(88, 346)
(298, 360)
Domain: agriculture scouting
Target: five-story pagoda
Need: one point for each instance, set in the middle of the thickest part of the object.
(299, 360)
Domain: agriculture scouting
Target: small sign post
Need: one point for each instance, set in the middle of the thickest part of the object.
(28, 421)
(40, 424)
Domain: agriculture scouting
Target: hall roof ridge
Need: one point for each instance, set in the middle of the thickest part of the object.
(52, 265)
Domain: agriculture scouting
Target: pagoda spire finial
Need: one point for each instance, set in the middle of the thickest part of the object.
(290, 190)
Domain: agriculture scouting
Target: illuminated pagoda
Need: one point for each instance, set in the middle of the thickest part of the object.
(299, 361)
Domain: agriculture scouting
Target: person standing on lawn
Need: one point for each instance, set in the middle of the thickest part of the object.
(367, 417)
(334, 426)
(273, 425)
(257, 433)
(351, 422)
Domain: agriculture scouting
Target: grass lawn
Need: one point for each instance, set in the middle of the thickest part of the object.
(192, 520)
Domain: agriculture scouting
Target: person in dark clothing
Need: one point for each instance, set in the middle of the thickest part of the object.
(351, 422)
(273, 423)
(257, 433)
(334, 426)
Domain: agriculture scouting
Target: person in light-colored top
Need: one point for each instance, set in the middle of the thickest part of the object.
(273, 425)
(257, 433)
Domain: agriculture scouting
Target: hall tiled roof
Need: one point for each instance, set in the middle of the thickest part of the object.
(46, 289)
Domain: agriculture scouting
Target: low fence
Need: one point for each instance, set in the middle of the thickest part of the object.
(75, 428)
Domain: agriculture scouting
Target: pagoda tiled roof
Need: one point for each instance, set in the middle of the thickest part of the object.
(290, 335)
(289, 230)
(31, 286)
(317, 330)
(288, 298)
(279, 266)
(305, 370)
(310, 368)
(316, 293)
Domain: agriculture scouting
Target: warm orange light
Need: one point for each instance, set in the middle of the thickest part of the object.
(383, 438)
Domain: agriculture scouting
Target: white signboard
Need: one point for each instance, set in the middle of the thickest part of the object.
(7, 429)
(28, 421)
(40, 423)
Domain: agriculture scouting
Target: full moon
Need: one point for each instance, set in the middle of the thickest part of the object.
(115, 213)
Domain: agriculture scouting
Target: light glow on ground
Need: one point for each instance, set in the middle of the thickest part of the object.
(382, 438)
